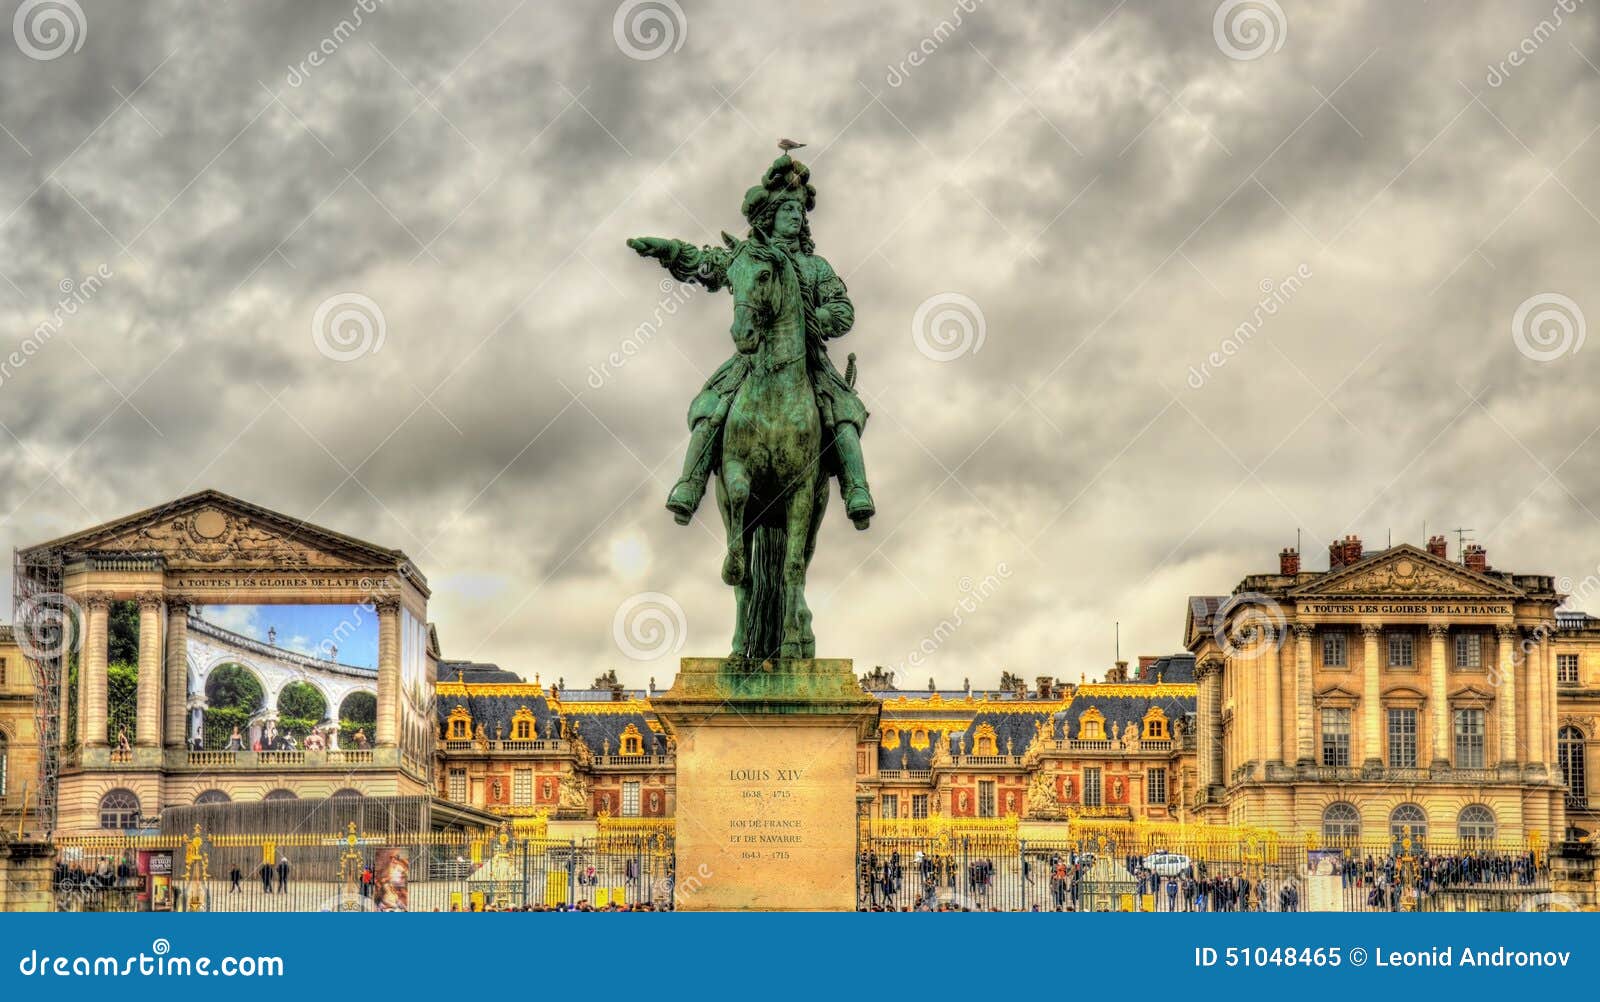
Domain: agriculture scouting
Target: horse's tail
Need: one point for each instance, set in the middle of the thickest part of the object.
(763, 628)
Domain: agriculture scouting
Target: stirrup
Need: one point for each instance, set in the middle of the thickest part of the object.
(683, 508)
(858, 505)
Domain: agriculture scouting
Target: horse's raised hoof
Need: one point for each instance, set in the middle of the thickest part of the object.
(733, 568)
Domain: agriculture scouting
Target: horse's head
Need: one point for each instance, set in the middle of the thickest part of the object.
(757, 278)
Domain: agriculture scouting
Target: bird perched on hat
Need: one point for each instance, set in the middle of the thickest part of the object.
(789, 144)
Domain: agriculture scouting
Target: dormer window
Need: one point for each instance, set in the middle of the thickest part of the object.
(632, 741)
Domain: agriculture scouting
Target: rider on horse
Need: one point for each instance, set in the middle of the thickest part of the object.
(776, 209)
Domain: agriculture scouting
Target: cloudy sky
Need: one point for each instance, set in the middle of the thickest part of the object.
(1055, 219)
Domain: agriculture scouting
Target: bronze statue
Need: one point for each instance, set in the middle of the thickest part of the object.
(777, 419)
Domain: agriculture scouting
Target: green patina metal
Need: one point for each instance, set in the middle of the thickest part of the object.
(777, 419)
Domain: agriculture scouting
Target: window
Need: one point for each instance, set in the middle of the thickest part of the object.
(919, 805)
(1402, 738)
(1091, 787)
(1402, 651)
(1569, 756)
(457, 789)
(1335, 735)
(1566, 669)
(1408, 816)
(458, 728)
(522, 730)
(281, 795)
(1469, 650)
(1155, 786)
(119, 809)
(1476, 824)
(1341, 821)
(3, 762)
(985, 798)
(2, 671)
(1469, 739)
(630, 799)
(522, 788)
(1335, 650)
(212, 797)
(891, 806)
(346, 793)
(1155, 725)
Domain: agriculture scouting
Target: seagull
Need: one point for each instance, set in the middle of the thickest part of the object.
(789, 144)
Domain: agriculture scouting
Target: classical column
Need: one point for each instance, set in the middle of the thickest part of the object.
(1371, 741)
(1506, 692)
(176, 690)
(93, 686)
(388, 670)
(1533, 735)
(1209, 745)
(1304, 727)
(147, 717)
(1438, 697)
(1272, 686)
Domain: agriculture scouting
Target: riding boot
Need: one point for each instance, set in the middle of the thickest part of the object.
(853, 476)
(691, 487)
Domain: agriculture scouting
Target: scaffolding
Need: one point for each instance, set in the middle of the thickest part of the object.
(47, 627)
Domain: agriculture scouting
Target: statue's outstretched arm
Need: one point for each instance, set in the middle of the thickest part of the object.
(707, 266)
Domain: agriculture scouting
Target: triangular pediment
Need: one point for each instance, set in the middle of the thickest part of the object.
(213, 530)
(1405, 571)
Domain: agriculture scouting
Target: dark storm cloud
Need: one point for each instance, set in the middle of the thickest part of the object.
(1101, 179)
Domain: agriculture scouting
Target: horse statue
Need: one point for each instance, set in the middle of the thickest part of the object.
(771, 487)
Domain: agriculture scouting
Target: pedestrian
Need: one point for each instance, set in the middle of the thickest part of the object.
(235, 876)
(283, 874)
(266, 877)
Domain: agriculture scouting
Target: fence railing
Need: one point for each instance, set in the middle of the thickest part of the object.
(925, 874)
(307, 872)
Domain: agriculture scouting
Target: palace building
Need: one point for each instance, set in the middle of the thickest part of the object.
(1395, 691)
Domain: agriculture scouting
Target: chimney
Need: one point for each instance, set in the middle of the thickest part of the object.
(1046, 685)
(1145, 662)
(1476, 558)
(1352, 549)
(1335, 555)
(1438, 547)
(1289, 562)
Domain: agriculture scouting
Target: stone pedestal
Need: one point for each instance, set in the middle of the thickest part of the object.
(766, 782)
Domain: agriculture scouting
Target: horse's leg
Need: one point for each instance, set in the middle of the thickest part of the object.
(735, 482)
(801, 506)
(741, 591)
(808, 640)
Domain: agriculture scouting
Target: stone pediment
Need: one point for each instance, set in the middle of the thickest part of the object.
(211, 530)
(1404, 571)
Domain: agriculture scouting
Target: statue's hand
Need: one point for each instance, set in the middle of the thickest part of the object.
(652, 247)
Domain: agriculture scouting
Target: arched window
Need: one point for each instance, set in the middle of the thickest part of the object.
(1569, 756)
(1408, 816)
(1341, 821)
(281, 795)
(631, 742)
(212, 797)
(983, 741)
(1476, 824)
(345, 794)
(119, 809)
